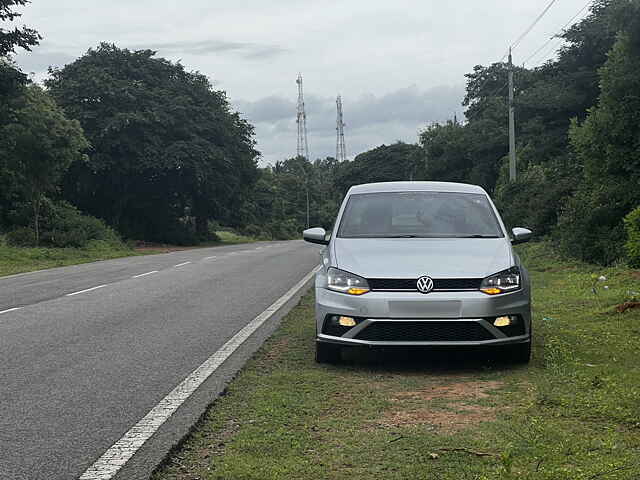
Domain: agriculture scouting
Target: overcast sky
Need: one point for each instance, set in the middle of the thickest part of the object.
(399, 65)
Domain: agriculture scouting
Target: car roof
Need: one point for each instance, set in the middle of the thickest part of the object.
(415, 187)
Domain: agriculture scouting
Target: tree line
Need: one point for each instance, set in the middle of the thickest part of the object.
(578, 140)
(126, 143)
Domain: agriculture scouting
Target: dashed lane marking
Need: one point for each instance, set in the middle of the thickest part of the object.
(145, 274)
(181, 264)
(85, 291)
(10, 310)
(106, 467)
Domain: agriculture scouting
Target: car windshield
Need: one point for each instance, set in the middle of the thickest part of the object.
(419, 214)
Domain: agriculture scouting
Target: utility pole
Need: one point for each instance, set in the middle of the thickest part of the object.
(512, 125)
(341, 149)
(301, 120)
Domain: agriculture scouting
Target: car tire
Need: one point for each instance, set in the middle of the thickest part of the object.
(519, 353)
(328, 353)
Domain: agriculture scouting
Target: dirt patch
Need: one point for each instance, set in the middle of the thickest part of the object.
(446, 421)
(459, 391)
(277, 349)
(457, 413)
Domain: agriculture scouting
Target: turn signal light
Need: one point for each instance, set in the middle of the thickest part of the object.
(357, 291)
(347, 322)
(491, 291)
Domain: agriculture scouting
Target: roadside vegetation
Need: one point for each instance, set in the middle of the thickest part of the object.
(19, 259)
(15, 260)
(572, 414)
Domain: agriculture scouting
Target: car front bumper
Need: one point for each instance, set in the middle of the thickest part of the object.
(467, 312)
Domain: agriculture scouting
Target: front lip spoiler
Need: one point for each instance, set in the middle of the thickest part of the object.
(367, 343)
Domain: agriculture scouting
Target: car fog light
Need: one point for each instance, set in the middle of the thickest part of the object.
(503, 321)
(347, 322)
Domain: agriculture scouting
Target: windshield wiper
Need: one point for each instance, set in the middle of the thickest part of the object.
(408, 235)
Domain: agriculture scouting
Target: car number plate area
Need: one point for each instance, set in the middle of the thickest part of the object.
(425, 308)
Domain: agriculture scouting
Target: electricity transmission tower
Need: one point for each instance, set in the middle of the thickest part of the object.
(301, 120)
(341, 149)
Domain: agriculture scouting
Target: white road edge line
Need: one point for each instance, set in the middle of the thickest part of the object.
(181, 264)
(10, 310)
(145, 274)
(85, 291)
(106, 467)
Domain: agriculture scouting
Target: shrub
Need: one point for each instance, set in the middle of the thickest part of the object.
(590, 227)
(254, 231)
(632, 227)
(21, 237)
(65, 226)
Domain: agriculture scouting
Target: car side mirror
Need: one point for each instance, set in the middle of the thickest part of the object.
(315, 235)
(521, 235)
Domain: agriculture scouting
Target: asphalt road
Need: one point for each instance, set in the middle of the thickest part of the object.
(77, 370)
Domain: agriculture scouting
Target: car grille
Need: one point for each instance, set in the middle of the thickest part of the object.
(438, 284)
(444, 331)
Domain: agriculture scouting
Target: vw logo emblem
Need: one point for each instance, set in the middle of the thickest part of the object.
(425, 284)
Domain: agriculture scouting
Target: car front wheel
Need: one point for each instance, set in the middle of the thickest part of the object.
(327, 353)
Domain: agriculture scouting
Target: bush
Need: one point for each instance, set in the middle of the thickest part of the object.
(254, 231)
(632, 227)
(533, 201)
(21, 237)
(65, 226)
(590, 227)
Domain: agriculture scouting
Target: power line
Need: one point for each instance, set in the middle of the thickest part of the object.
(555, 35)
(520, 38)
(535, 22)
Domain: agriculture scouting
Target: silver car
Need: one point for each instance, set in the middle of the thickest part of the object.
(421, 264)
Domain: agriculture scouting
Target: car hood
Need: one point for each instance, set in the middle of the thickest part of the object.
(413, 257)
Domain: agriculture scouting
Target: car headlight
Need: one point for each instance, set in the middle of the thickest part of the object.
(501, 282)
(345, 282)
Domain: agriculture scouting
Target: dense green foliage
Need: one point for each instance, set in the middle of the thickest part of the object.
(39, 145)
(578, 136)
(632, 226)
(167, 154)
(15, 37)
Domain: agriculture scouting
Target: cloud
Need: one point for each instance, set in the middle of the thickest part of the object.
(39, 60)
(247, 50)
(371, 120)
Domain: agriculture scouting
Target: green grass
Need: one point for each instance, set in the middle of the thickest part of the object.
(573, 413)
(228, 238)
(20, 260)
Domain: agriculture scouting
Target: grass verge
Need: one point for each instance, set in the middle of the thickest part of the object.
(20, 260)
(573, 413)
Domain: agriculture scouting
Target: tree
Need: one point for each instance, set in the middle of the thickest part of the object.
(38, 146)
(168, 154)
(17, 37)
(607, 143)
(386, 163)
